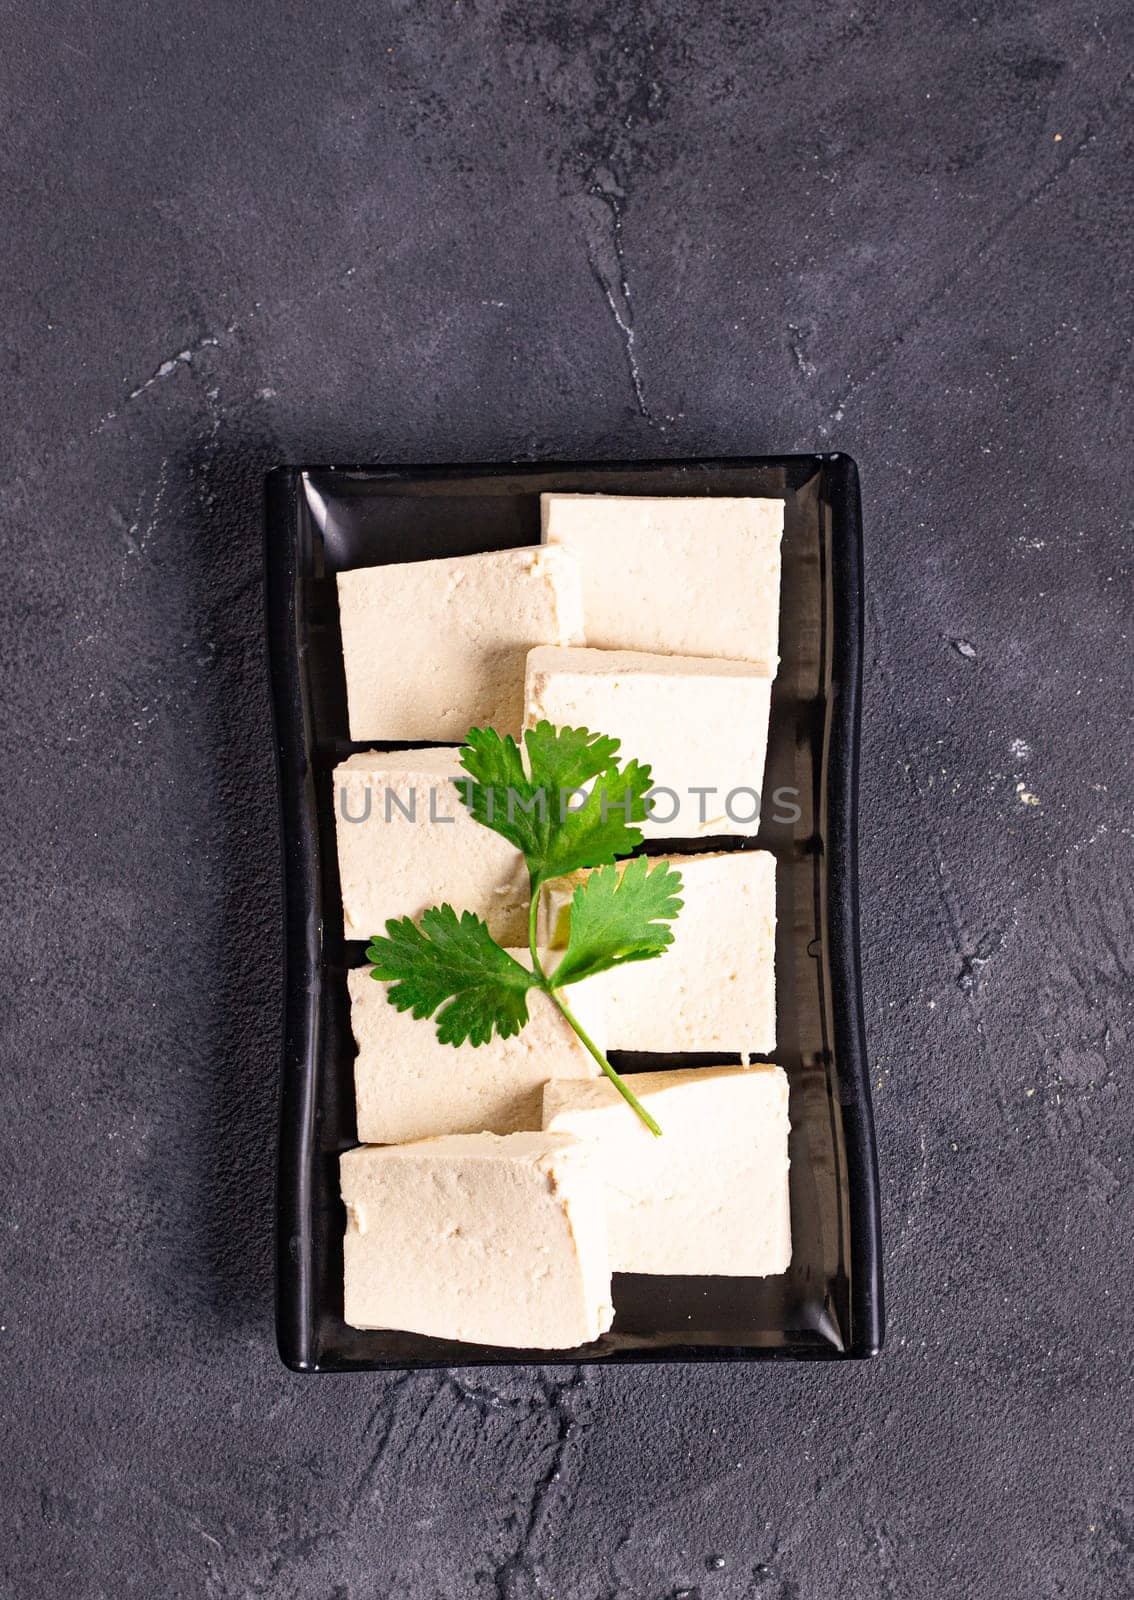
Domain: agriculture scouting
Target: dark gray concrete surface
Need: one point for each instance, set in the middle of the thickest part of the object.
(238, 234)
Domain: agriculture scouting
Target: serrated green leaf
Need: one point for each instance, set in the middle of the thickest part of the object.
(573, 806)
(452, 962)
(605, 825)
(620, 915)
(568, 758)
(499, 793)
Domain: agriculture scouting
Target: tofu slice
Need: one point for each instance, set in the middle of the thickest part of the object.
(408, 1085)
(392, 866)
(714, 987)
(684, 575)
(498, 1241)
(710, 1197)
(434, 648)
(701, 724)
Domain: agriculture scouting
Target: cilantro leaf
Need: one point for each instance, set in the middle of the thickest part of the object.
(453, 963)
(499, 793)
(603, 827)
(568, 758)
(620, 915)
(572, 807)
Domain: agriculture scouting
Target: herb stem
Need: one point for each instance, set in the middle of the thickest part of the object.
(619, 1083)
(533, 910)
(548, 987)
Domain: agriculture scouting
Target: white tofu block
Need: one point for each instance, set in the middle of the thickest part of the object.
(498, 1241)
(711, 1195)
(701, 724)
(408, 1085)
(714, 987)
(392, 866)
(434, 648)
(684, 575)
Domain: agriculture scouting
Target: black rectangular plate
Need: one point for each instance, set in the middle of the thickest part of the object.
(321, 520)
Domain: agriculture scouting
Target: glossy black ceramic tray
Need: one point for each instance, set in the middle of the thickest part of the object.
(829, 1303)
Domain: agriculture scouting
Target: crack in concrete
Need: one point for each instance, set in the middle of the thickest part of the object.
(380, 1438)
(136, 537)
(626, 329)
(615, 286)
(980, 250)
(183, 358)
(803, 366)
(515, 1578)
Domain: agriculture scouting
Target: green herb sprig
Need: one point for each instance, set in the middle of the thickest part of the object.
(572, 805)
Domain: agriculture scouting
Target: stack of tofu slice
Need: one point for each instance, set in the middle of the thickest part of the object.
(498, 1188)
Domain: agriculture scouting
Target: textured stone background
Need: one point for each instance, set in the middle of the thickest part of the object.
(239, 234)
